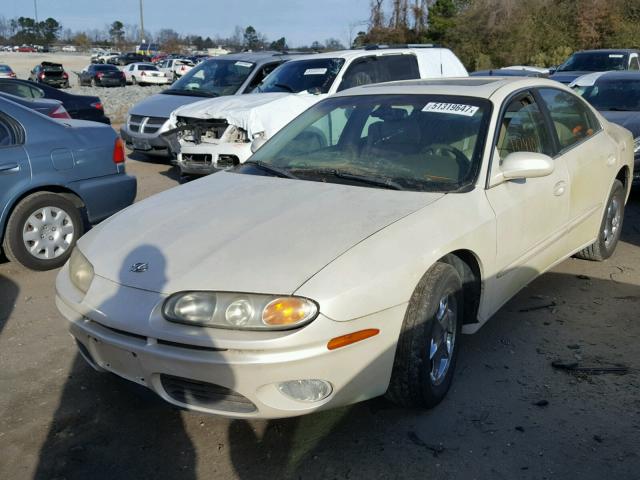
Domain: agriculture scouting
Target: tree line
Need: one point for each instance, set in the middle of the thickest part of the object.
(497, 33)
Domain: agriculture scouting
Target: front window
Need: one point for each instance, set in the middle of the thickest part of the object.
(594, 62)
(213, 79)
(613, 95)
(314, 76)
(404, 142)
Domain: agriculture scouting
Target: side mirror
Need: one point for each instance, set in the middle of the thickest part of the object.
(519, 165)
(257, 143)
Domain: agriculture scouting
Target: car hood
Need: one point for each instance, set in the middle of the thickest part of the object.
(628, 120)
(255, 112)
(161, 105)
(568, 76)
(241, 233)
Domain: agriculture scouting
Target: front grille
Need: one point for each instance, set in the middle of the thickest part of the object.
(205, 395)
(215, 127)
(197, 158)
(148, 125)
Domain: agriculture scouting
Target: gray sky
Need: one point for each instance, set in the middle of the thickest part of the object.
(300, 21)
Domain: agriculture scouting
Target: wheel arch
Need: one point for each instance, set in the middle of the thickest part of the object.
(65, 192)
(468, 265)
(624, 175)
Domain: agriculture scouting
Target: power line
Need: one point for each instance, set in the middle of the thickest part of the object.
(141, 23)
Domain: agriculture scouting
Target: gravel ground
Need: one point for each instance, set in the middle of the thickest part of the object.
(509, 414)
(116, 100)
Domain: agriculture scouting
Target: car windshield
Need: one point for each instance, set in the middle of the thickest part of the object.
(404, 142)
(616, 95)
(213, 78)
(315, 76)
(594, 62)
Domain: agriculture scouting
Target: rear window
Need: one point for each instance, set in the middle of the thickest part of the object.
(148, 67)
(5, 69)
(52, 67)
(101, 68)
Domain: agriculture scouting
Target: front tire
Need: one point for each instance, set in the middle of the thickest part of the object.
(42, 230)
(134, 81)
(427, 348)
(610, 227)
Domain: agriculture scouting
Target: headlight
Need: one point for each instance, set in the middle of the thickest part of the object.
(243, 311)
(80, 270)
(636, 145)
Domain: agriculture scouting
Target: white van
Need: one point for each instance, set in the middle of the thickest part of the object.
(217, 133)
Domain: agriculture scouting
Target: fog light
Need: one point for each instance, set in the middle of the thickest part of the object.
(306, 390)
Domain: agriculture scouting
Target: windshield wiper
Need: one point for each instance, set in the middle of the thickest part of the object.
(284, 86)
(375, 181)
(280, 172)
(192, 93)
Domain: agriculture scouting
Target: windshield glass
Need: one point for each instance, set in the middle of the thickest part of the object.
(315, 76)
(5, 69)
(406, 142)
(618, 95)
(594, 62)
(214, 78)
(100, 68)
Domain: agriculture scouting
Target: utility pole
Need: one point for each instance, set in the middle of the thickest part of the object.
(141, 24)
(35, 7)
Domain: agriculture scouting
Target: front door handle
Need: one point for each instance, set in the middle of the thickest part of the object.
(559, 188)
(611, 161)
(9, 168)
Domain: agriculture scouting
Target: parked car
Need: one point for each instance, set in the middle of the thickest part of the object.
(6, 72)
(145, 74)
(616, 95)
(175, 68)
(102, 75)
(128, 58)
(54, 177)
(233, 74)
(412, 210)
(69, 48)
(216, 134)
(50, 108)
(81, 107)
(50, 73)
(588, 61)
(26, 49)
(106, 57)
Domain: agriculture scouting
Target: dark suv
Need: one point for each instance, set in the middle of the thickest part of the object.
(50, 73)
(589, 61)
(128, 58)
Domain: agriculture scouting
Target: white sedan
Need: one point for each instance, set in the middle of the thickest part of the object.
(346, 257)
(145, 74)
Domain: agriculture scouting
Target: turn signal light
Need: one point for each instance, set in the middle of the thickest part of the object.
(350, 338)
(118, 151)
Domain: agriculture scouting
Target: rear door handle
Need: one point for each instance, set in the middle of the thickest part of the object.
(9, 168)
(559, 188)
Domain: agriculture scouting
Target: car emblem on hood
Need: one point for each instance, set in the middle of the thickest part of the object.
(139, 267)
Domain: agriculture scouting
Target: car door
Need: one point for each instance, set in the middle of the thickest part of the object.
(15, 170)
(531, 214)
(590, 156)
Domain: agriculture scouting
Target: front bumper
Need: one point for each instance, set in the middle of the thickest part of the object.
(147, 137)
(206, 158)
(224, 372)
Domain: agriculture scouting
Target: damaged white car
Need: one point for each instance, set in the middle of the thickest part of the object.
(218, 133)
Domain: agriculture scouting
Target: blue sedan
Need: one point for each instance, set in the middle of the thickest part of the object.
(57, 177)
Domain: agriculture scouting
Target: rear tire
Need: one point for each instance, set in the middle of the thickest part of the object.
(610, 227)
(42, 231)
(134, 81)
(428, 345)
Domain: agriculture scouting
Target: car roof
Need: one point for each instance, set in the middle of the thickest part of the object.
(253, 57)
(481, 87)
(364, 52)
(610, 50)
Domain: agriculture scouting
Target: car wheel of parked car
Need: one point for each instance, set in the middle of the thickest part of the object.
(610, 228)
(133, 81)
(427, 348)
(42, 230)
(93, 82)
